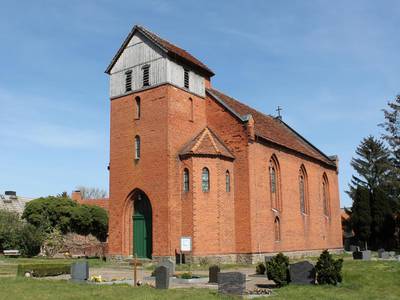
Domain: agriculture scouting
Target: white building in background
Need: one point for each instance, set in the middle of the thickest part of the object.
(11, 202)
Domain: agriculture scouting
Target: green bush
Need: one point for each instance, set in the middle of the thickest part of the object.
(43, 270)
(67, 216)
(187, 275)
(260, 269)
(16, 234)
(329, 270)
(278, 269)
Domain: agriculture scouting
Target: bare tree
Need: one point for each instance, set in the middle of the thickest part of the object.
(92, 192)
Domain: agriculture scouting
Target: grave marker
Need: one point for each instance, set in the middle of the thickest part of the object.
(213, 274)
(302, 273)
(162, 277)
(232, 283)
(80, 271)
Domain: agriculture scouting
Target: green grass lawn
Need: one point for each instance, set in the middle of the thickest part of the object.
(362, 280)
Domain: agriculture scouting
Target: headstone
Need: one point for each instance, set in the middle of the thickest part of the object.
(162, 277)
(392, 254)
(302, 273)
(232, 283)
(398, 257)
(364, 255)
(384, 255)
(380, 251)
(267, 259)
(169, 264)
(213, 274)
(80, 271)
(354, 248)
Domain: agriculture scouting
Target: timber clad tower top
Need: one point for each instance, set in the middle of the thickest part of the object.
(145, 54)
(186, 160)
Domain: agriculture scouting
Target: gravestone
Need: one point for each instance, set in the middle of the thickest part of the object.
(232, 283)
(213, 274)
(302, 273)
(169, 264)
(392, 254)
(354, 248)
(162, 277)
(268, 259)
(80, 271)
(384, 255)
(364, 255)
(380, 251)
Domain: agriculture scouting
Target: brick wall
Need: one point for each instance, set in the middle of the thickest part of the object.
(220, 223)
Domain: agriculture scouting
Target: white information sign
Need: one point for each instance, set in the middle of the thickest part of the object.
(186, 244)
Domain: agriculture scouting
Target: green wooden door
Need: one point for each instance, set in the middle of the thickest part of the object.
(142, 228)
(139, 235)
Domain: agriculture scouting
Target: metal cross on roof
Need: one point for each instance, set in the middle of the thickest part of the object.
(279, 109)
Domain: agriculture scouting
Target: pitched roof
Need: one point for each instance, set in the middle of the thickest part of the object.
(271, 128)
(170, 49)
(206, 143)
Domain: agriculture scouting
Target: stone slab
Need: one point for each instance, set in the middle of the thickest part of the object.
(162, 277)
(302, 273)
(231, 283)
(80, 271)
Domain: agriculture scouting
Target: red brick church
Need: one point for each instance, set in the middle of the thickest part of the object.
(187, 160)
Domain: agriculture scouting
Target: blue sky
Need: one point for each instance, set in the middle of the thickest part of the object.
(331, 65)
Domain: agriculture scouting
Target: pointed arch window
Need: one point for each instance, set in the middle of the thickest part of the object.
(325, 195)
(205, 180)
(227, 181)
(137, 108)
(191, 116)
(274, 183)
(186, 180)
(137, 147)
(277, 229)
(303, 190)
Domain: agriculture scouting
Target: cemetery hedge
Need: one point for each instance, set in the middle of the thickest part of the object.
(43, 270)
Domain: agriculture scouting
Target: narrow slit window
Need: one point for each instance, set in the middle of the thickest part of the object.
(191, 117)
(277, 227)
(128, 81)
(186, 180)
(137, 101)
(137, 147)
(227, 181)
(186, 78)
(146, 75)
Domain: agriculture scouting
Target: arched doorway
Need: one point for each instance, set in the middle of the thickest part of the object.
(142, 225)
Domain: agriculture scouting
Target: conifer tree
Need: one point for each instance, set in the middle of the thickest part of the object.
(369, 191)
(360, 219)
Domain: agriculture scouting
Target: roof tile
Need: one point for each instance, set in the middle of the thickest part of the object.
(273, 129)
(206, 143)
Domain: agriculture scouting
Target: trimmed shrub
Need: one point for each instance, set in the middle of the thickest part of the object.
(187, 275)
(260, 269)
(278, 270)
(329, 270)
(43, 270)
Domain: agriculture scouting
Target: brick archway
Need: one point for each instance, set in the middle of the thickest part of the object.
(127, 225)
